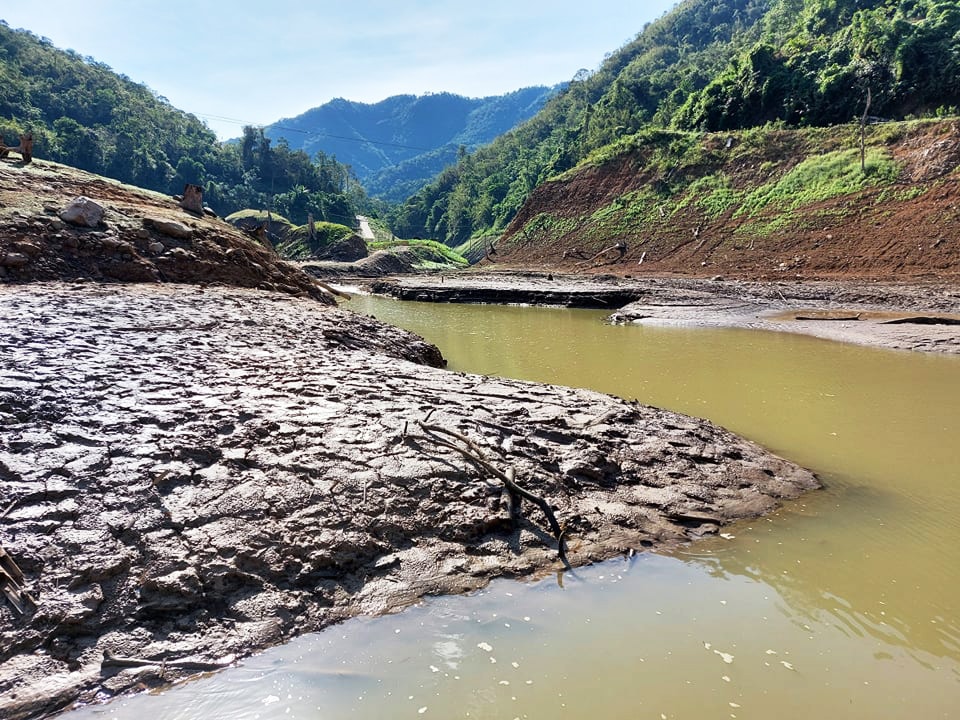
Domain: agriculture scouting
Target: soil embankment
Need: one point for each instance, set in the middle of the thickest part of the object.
(759, 205)
(191, 474)
(141, 236)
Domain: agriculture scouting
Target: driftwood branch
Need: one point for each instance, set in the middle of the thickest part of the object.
(475, 454)
(111, 660)
(620, 248)
(12, 585)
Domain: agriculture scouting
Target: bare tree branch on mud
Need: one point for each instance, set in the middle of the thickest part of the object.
(474, 453)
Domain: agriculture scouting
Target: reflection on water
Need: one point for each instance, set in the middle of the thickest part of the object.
(844, 604)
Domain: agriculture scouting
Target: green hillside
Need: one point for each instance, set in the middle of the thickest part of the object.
(710, 65)
(83, 114)
(397, 145)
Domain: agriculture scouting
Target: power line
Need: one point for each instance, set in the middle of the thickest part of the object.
(314, 133)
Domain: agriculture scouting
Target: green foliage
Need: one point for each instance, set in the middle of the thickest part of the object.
(83, 114)
(297, 244)
(888, 195)
(426, 134)
(707, 65)
(430, 252)
(713, 195)
(381, 231)
(814, 62)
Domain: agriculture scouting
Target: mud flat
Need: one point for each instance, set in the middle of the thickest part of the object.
(910, 316)
(189, 475)
(512, 288)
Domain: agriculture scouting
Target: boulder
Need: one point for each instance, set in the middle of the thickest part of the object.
(170, 228)
(84, 212)
(13, 259)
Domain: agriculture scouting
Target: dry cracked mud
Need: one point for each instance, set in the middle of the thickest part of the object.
(189, 475)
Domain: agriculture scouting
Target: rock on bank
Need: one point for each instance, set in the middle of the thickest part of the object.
(191, 474)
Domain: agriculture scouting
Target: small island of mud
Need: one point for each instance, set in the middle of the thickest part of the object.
(909, 315)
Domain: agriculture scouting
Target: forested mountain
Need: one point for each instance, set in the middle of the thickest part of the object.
(710, 65)
(83, 114)
(396, 146)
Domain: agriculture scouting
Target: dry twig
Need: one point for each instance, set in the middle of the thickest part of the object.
(475, 454)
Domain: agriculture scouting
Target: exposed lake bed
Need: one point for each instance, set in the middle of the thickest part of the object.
(842, 603)
(191, 474)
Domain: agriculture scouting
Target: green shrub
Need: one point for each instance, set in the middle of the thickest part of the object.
(430, 252)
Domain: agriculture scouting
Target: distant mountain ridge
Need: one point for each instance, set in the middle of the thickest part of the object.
(397, 145)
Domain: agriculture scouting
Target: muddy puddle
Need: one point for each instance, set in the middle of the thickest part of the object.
(843, 604)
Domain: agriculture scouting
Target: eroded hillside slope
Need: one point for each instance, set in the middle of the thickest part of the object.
(142, 236)
(763, 204)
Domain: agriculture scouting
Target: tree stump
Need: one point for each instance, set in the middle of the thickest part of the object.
(192, 199)
(25, 148)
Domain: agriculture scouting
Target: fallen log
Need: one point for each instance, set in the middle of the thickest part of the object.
(849, 318)
(923, 320)
(118, 661)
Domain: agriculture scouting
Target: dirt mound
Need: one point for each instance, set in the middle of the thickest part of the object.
(350, 249)
(396, 261)
(142, 237)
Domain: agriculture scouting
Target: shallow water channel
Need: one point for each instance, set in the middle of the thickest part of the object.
(845, 604)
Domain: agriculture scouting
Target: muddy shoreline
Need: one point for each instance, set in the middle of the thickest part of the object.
(192, 474)
(897, 315)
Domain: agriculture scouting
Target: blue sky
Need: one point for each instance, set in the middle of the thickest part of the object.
(235, 63)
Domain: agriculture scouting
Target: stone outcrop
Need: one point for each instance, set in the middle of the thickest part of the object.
(84, 212)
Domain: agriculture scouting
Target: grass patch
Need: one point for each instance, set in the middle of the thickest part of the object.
(713, 195)
(297, 245)
(821, 178)
(430, 253)
(475, 249)
(900, 194)
(258, 216)
(544, 225)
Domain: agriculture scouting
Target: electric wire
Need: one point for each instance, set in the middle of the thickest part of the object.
(313, 133)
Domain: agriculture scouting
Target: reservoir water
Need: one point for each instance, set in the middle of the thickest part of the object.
(844, 604)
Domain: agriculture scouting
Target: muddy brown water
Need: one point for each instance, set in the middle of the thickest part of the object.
(843, 604)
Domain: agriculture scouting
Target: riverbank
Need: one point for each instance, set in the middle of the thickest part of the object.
(192, 474)
(909, 316)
